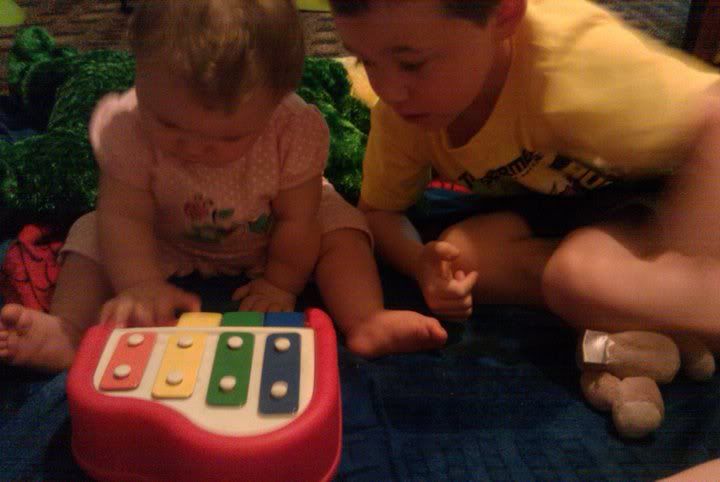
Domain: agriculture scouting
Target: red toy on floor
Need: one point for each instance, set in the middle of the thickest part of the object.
(233, 396)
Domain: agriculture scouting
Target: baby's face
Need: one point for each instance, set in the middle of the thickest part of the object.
(427, 66)
(182, 127)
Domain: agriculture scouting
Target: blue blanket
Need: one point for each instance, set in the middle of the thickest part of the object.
(500, 402)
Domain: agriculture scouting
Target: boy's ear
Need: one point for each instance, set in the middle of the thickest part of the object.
(508, 15)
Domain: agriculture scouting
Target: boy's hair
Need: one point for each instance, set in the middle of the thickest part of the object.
(474, 10)
(223, 49)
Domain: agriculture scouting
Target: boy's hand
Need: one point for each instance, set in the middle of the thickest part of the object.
(447, 293)
(148, 304)
(261, 295)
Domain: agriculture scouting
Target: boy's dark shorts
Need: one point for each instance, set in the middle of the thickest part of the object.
(548, 216)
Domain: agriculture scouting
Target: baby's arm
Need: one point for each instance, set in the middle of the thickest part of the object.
(129, 251)
(293, 251)
(447, 292)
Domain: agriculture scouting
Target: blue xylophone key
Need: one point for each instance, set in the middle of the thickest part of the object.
(294, 319)
(280, 380)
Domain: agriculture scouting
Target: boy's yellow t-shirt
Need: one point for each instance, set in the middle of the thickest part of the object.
(587, 100)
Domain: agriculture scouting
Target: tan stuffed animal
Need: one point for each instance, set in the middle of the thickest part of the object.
(621, 373)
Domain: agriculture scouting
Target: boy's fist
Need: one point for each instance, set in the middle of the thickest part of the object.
(447, 292)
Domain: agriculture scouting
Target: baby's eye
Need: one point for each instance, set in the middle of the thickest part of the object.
(411, 66)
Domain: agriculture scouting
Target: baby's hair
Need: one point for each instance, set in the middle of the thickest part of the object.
(223, 49)
(474, 10)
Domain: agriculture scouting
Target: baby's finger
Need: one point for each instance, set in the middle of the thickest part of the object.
(123, 310)
(185, 301)
(248, 303)
(241, 292)
(142, 316)
(106, 311)
(262, 305)
(164, 311)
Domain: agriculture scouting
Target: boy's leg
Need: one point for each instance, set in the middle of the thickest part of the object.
(349, 283)
(613, 278)
(689, 216)
(508, 259)
(665, 277)
(48, 341)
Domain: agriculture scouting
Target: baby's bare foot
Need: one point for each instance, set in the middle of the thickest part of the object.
(387, 332)
(35, 339)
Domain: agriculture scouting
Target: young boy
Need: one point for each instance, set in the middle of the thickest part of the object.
(549, 112)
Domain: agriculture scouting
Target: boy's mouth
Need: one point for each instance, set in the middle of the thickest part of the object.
(414, 117)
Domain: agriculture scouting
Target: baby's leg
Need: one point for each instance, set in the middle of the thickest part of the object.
(348, 280)
(508, 259)
(48, 341)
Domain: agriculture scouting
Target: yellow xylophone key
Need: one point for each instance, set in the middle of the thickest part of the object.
(178, 369)
(199, 320)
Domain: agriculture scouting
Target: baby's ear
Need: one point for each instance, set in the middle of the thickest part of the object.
(507, 16)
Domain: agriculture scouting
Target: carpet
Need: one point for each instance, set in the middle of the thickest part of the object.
(500, 402)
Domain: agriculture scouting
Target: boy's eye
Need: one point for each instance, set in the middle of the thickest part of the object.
(365, 63)
(411, 66)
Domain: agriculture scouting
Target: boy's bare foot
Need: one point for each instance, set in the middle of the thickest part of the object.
(386, 332)
(35, 339)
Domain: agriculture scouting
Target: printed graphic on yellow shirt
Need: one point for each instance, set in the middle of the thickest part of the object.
(544, 173)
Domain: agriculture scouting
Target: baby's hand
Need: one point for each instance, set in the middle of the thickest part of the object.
(448, 294)
(148, 304)
(261, 295)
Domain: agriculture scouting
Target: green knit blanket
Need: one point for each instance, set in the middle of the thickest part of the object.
(51, 177)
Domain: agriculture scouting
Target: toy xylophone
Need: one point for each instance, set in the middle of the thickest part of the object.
(233, 396)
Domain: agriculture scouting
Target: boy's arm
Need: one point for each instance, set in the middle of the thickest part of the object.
(396, 169)
(396, 238)
(447, 291)
(693, 201)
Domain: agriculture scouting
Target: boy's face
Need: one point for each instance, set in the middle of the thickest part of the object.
(427, 66)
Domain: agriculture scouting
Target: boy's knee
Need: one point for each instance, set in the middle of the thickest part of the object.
(575, 271)
(502, 226)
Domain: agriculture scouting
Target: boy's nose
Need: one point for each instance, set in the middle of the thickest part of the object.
(391, 89)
